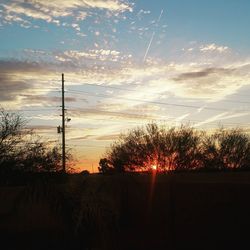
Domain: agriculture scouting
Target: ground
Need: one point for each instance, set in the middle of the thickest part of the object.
(130, 211)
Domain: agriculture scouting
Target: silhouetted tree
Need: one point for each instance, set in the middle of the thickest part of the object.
(182, 148)
(227, 149)
(22, 150)
(104, 166)
(168, 149)
(11, 136)
(37, 156)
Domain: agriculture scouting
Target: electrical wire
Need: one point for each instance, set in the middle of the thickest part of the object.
(151, 102)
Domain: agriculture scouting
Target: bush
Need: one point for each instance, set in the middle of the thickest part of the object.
(183, 148)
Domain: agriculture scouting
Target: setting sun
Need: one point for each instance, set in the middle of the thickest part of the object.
(154, 167)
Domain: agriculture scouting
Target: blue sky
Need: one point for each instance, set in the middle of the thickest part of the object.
(126, 63)
(224, 21)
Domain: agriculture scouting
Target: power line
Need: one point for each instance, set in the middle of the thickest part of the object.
(152, 102)
(94, 111)
(87, 146)
(52, 89)
(135, 90)
(125, 114)
(142, 117)
(30, 110)
(234, 101)
(35, 88)
(109, 87)
(127, 89)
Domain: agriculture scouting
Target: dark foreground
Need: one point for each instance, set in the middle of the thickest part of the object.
(178, 211)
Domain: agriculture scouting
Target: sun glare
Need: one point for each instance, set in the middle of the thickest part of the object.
(154, 167)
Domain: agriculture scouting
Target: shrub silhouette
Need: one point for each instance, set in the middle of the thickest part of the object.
(178, 148)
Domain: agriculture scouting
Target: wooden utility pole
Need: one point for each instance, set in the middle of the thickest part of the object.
(63, 129)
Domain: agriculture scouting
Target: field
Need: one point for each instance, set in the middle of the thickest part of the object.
(131, 211)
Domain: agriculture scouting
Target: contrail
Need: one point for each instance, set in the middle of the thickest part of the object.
(152, 38)
(159, 18)
(149, 45)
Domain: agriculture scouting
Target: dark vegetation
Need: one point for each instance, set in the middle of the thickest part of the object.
(178, 149)
(22, 151)
(128, 211)
(168, 149)
(195, 200)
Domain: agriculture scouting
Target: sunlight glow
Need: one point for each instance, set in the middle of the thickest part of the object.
(154, 167)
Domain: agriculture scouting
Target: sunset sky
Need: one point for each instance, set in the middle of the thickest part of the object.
(126, 63)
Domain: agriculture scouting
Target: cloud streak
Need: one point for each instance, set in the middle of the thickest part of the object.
(21, 12)
(218, 118)
(203, 73)
(213, 48)
(113, 68)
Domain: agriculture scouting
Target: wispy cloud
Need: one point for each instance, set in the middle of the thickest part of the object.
(110, 137)
(16, 11)
(78, 57)
(213, 48)
(45, 100)
(220, 117)
(182, 117)
(203, 73)
(42, 129)
(111, 114)
(114, 68)
(22, 78)
(210, 48)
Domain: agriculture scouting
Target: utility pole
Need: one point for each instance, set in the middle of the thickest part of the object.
(63, 129)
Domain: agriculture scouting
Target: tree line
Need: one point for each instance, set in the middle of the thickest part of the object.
(141, 149)
(177, 148)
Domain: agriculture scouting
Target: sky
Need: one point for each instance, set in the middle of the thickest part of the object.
(125, 63)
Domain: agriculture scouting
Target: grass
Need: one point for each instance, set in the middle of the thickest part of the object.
(184, 211)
